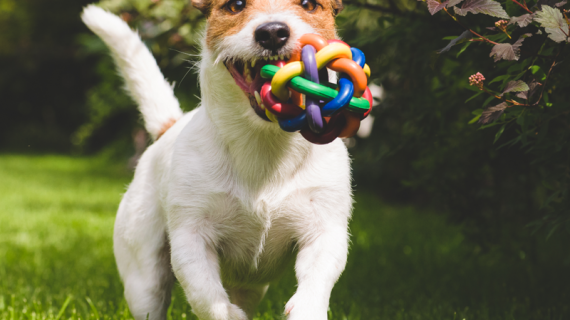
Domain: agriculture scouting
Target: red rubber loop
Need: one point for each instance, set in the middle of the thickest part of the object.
(334, 127)
(281, 110)
(368, 96)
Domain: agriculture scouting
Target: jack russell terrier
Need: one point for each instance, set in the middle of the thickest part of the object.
(223, 198)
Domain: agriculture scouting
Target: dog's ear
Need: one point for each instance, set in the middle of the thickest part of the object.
(202, 5)
(337, 6)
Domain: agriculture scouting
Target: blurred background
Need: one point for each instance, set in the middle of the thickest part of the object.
(448, 223)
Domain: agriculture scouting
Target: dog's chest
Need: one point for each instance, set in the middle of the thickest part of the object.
(256, 240)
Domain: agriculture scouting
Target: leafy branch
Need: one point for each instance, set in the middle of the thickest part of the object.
(548, 75)
(523, 6)
(554, 21)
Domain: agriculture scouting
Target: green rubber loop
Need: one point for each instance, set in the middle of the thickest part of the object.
(304, 86)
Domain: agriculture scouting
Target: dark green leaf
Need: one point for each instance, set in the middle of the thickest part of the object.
(474, 96)
(472, 121)
(499, 133)
(489, 99)
(499, 78)
(464, 36)
(467, 44)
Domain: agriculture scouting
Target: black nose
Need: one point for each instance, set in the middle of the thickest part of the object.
(272, 35)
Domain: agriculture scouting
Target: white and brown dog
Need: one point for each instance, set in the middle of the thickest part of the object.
(224, 199)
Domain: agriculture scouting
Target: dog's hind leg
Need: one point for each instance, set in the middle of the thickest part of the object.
(148, 285)
(142, 251)
(248, 298)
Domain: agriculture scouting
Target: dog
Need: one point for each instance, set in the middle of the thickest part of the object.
(224, 199)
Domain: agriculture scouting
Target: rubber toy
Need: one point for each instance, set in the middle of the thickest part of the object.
(299, 97)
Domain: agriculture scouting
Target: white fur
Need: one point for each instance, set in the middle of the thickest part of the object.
(136, 64)
(242, 44)
(223, 200)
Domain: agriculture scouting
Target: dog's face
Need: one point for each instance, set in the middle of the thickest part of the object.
(247, 34)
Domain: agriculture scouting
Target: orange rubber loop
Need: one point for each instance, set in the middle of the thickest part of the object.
(352, 124)
(354, 71)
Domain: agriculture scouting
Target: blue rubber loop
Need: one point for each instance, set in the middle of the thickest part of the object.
(294, 124)
(346, 87)
(345, 93)
(358, 57)
(314, 118)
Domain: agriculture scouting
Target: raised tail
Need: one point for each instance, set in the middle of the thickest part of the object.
(144, 81)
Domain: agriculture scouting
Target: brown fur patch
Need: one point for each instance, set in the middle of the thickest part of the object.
(167, 125)
(222, 23)
(203, 5)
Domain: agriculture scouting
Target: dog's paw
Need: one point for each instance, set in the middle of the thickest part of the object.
(236, 313)
(224, 311)
(302, 307)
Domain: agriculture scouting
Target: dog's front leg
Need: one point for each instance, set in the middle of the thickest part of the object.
(320, 261)
(195, 264)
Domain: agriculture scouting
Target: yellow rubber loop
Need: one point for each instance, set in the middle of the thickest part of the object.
(282, 77)
(330, 52)
(289, 71)
(366, 70)
(271, 116)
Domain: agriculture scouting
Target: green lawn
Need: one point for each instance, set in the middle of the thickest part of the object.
(56, 260)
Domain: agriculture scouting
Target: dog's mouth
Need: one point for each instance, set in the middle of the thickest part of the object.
(247, 76)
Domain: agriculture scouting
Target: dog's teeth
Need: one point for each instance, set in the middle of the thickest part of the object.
(253, 63)
(258, 99)
(247, 74)
(280, 57)
(265, 58)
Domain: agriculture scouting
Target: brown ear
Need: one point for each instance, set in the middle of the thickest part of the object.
(337, 6)
(202, 5)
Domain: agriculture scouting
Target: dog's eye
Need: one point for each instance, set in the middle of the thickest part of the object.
(309, 5)
(235, 6)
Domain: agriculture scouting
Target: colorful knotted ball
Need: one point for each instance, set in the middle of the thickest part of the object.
(300, 98)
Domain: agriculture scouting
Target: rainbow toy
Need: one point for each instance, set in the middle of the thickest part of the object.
(326, 111)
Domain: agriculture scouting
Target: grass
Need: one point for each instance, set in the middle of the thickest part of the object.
(56, 261)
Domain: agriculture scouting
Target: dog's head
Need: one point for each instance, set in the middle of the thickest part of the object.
(247, 34)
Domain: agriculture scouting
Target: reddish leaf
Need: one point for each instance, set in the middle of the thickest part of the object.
(553, 22)
(489, 7)
(516, 86)
(434, 6)
(523, 20)
(492, 113)
(507, 51)
(541, 3)
(452, 3)
(533, 87)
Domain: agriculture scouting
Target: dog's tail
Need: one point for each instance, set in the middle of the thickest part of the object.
(144, 81)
